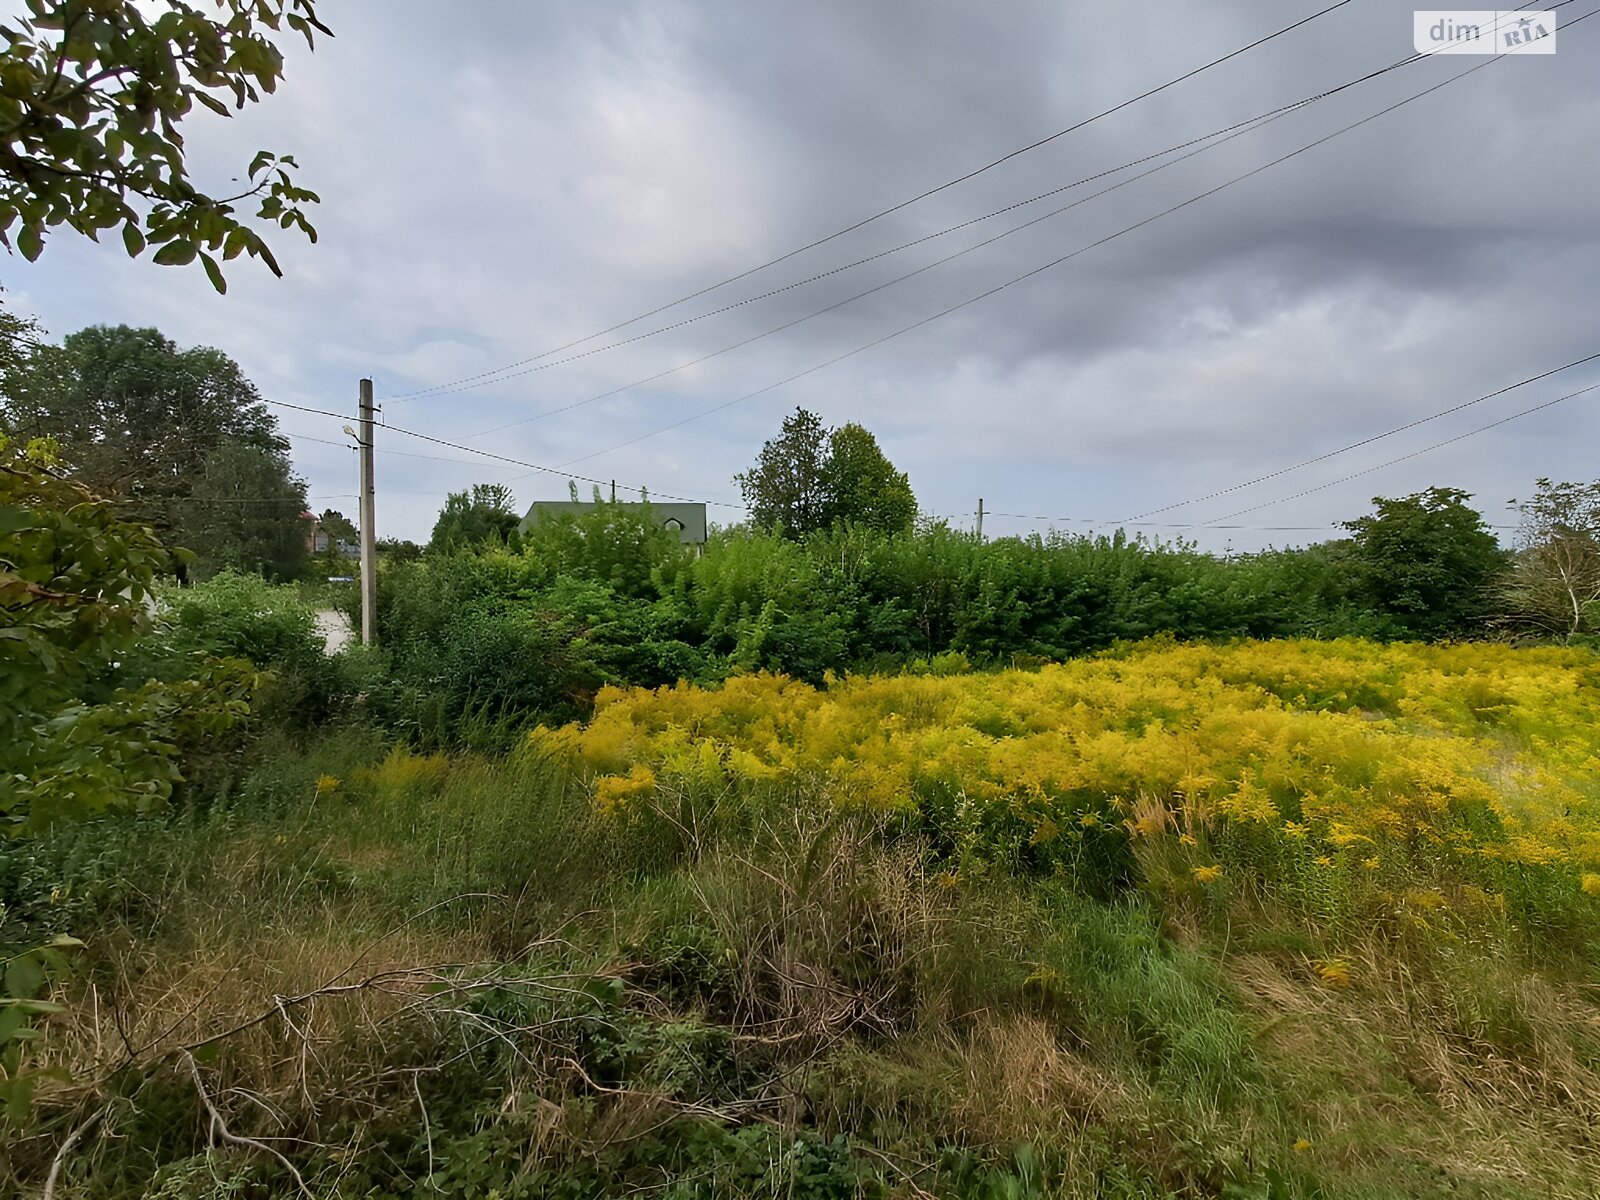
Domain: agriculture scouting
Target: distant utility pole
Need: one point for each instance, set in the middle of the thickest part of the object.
(369, 523)
(980, 518)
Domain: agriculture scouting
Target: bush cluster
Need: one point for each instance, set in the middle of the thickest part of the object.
(479, 644)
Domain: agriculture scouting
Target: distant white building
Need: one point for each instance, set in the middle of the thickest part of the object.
(688, 521)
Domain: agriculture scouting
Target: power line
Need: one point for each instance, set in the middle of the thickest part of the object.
(306, 437)
(1216, 138)
(1046, 266)
(1222, 136)
(1378, 437)
(1404, 457)
(1158, 524)
(321, 412)
(851, 299)
(973, 174)
(1241, 127)
(259, 499)
(555, 470)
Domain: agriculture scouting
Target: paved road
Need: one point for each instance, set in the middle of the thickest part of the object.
(335, 629)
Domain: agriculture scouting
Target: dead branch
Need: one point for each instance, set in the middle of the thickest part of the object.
(67, 1144)
(219, 1129)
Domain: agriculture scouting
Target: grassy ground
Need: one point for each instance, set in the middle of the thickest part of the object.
(367, 973)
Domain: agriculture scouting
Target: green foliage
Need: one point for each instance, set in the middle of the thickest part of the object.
(783, 1003)
(1553, 586)
(479, 645)
(92, 93)
(243, 616)
(272, 626)
(1428, 561)
(337, 526)
(787, 487)
(75, 591)
(244, 513)
(862, 485)
(485, 515)
(181, 436)
(603, 596)
(26, 974)
(809, 478)
(398, 550)
(615, 543)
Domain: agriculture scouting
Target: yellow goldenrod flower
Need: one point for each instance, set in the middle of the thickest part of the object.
(1207, 874)
(327, 783)
(1334, 972)
(1301, 1146)
(1202, 740)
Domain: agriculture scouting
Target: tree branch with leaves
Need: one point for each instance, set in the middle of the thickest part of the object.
(92, 94)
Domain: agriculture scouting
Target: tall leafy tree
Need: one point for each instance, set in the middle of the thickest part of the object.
(337, 526)
(862, 485)
(92, 94)
(1428, 562)
(788, 484)
(138, 420)
(245, 512)
(1554, 581)
(486, 513)
(810, 477)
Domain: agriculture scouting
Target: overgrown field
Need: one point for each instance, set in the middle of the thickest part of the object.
(1265, 919)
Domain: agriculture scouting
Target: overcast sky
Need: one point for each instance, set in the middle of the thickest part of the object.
(500, 178)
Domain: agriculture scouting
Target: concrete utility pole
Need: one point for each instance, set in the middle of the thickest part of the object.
(980, 518)
(369, 523)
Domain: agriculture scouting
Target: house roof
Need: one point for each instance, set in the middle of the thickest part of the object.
(687, 520)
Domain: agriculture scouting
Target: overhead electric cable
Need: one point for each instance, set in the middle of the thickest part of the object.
(489, 454)
(1216, 136)
(851, 299)
(306, 437)
(1053, 262)
(894, 208)
(517, 462)
(1377, 437)
(1322, 487)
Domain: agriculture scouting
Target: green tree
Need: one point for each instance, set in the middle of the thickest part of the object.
(245, 512)
(75, 598)
(18, 337)
(862, 486)
(1554, 581)
(487, 513)
(398, 550)
(1428, 562)
(611, 542)
(139, 420)
(338, 527)
(92, 94)
(788, 484)
(810, 477)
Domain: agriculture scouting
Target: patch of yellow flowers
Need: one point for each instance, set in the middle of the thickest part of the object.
(1346, 749)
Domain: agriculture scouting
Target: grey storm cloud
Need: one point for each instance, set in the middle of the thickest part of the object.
(501, 178)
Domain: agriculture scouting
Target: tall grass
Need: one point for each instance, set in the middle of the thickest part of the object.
(542, 1002)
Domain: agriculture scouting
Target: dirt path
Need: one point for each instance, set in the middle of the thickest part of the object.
(335, 629)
